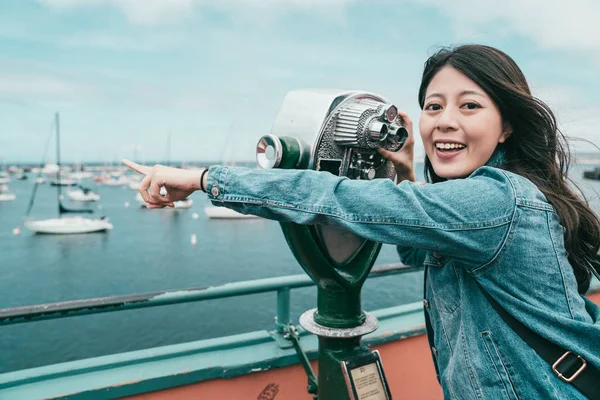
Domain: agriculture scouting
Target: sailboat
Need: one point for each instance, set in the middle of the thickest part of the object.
(64, 224)
(83, 194)
(213, 212)
(5, 195)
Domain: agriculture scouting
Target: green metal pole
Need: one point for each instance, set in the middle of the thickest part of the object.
(339, 308)
(331, 382)
(283, 309)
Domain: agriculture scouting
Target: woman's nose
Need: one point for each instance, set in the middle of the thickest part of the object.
(447, 120)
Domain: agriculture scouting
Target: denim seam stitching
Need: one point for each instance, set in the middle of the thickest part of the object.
(443, 310)
(476, 387)
(506, 236)
(434, 297)
(542, 207)
(487, 350)
(562, 275)
(512, 384)
(454, 269)
(446, 336)
(495, 223)
(224, 173)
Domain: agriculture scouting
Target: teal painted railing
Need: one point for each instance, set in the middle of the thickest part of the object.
(282, 285)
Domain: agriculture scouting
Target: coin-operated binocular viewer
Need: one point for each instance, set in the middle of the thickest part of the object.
(339, 133)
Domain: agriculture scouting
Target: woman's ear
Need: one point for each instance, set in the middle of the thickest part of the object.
(507, 130)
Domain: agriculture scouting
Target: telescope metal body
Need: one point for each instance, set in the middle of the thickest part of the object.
(336, 132)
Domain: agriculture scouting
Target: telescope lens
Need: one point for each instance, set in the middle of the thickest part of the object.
(391, 113)
(269, 152)
(378, 130)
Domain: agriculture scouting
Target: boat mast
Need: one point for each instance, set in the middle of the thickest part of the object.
(58, 181)
(168, 149)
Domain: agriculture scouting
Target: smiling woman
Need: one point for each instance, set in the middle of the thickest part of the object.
(498, 220)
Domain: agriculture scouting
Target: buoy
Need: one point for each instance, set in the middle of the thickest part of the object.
(195, 215)
(126, 204)
(193, 239)
(17, 231)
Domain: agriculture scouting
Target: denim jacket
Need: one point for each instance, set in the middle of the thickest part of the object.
(494, 228)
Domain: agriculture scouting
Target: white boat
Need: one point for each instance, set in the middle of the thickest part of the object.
(69, 225)
(83, 195)
(40, 179)
(134, 182)
(65, 224)
(121, 181)
(185, 203)
(80, 175)
(225, 213)
(5, 195)
(50, 169)
(4, 178)
(63, 182)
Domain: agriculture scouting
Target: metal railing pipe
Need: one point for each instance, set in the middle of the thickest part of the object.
(11, 316)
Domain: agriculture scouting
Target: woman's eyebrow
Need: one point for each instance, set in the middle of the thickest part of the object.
(474, 92)
(435, 95)
(464, 92)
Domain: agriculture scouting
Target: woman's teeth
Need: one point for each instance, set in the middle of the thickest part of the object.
(449, 146)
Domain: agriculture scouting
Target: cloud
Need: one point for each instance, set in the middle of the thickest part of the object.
(149, 42)
(151, 12)
(25, 87)
(136, 11)
(552, 24)
(576, 119)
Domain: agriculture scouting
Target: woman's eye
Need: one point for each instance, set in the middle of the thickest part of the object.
(433, 107)
(471, 106)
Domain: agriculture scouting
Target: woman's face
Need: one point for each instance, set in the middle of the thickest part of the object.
(460, 124)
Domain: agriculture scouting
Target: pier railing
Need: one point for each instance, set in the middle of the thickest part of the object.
(282, 285)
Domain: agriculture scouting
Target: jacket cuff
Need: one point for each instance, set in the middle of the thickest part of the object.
(215, 182)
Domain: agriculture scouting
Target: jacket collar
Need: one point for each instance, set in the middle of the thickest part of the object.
(498, 158)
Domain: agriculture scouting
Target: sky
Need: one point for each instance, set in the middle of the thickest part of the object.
(127, 74)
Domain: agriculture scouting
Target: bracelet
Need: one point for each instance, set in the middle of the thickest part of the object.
(202, 180)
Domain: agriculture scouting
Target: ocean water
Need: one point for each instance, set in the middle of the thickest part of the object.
(150, 250)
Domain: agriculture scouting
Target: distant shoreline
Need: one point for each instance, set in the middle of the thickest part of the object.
(580, 159)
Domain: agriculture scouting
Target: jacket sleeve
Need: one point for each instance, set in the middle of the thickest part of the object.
(467, 219)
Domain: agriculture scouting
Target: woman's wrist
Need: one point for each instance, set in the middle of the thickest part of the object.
(203, 179)
(403, 174)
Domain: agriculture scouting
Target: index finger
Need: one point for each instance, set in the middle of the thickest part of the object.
(137, 167)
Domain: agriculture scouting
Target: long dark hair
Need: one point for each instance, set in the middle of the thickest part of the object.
(536, 149)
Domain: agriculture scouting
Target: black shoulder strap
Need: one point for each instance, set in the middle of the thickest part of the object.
(568, 366)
